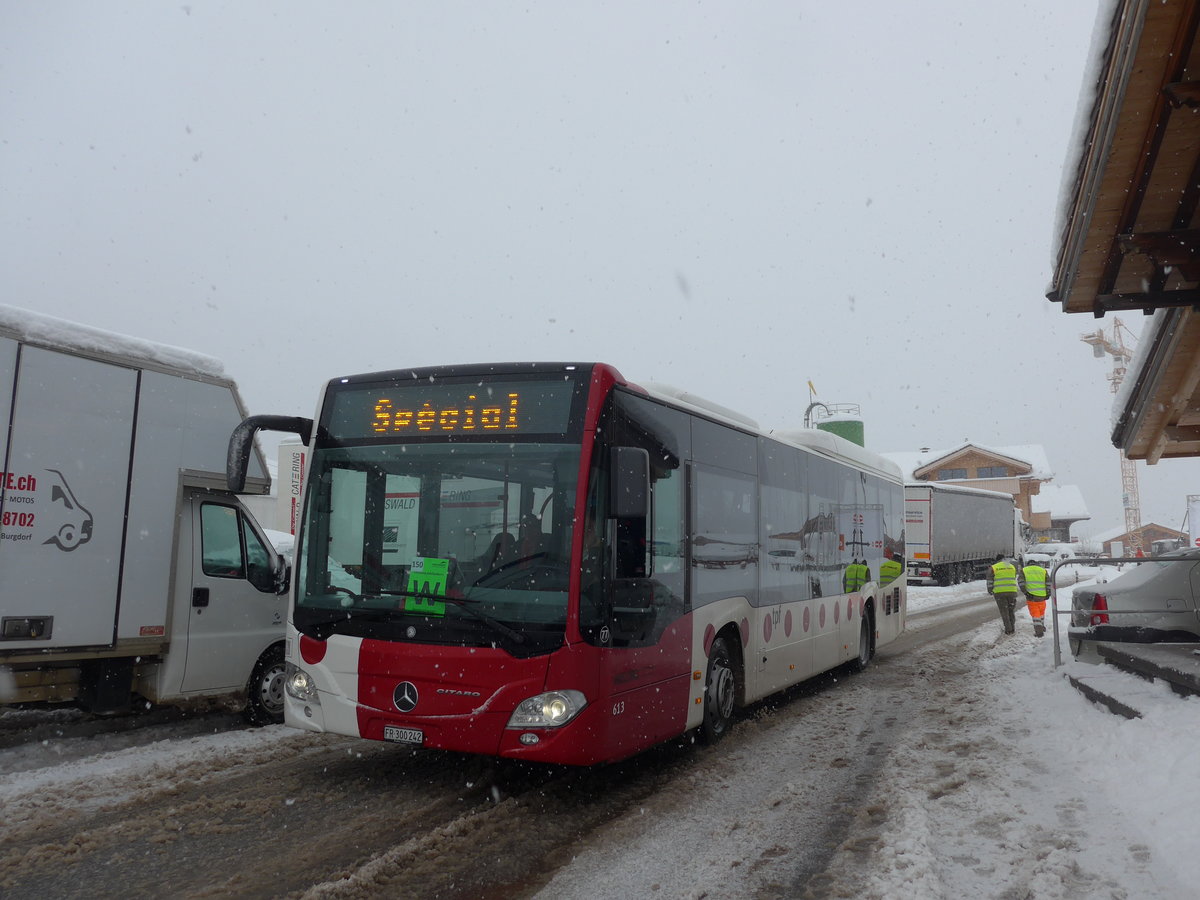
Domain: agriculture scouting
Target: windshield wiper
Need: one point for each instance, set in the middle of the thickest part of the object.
(322, 627)
(464, 604)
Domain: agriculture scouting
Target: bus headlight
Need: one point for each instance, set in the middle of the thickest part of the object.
(549, 710)
(299, 684)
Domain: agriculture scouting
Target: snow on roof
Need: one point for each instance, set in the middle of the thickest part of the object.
(957, 488)
(813, 438)
(834, 446)
(1077, 144)
(670, 392)
(1062, 501)
(1034, 455)
(1110, 533)
(1107, 534)
(1135, 365)
(26, 325)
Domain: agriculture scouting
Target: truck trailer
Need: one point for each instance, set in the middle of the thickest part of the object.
(952, 533)
(127, 568)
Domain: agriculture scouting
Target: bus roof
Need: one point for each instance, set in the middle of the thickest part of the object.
(837, 447)
(821, 442)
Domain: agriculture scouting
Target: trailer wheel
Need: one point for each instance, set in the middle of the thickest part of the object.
(719, 693)
(265, 690)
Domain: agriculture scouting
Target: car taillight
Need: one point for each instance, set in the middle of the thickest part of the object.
(1099, 605)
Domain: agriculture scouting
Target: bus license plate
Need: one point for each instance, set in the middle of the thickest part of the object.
(403, 735)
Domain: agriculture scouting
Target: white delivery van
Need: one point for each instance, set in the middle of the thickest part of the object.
(126, 566)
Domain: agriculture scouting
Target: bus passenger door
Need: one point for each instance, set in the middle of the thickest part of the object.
(784, 637)
(649, 657)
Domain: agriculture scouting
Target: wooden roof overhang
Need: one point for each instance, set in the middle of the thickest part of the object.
(1131, 233)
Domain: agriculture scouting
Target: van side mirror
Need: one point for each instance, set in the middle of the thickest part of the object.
(629, 486)
(283, 576)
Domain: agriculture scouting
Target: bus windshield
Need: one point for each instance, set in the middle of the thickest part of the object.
(439, 542)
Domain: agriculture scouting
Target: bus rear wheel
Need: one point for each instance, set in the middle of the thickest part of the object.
(720, 691)
(866, 648)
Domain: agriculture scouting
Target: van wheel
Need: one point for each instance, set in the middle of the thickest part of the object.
(265, 690)
(719, 693)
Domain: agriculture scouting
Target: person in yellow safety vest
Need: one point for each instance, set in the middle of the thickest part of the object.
(856, 575)
(890, 569)
(1002, 584)
(1034, 582)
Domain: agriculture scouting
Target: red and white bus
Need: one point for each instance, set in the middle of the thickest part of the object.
(547, 562)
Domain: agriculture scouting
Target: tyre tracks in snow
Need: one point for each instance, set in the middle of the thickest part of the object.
(278, 813)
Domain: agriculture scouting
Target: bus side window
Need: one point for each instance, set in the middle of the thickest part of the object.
(667, 521)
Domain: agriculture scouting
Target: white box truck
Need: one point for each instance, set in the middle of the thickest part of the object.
(952, 533)
(126, 566)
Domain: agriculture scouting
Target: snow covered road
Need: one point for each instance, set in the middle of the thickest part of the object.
(946, 769)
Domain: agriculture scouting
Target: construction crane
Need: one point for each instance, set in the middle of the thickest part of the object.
(1121, 353)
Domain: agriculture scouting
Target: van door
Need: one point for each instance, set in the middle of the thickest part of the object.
(233, 611)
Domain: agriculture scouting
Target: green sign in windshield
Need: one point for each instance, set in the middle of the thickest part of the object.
(427, 580)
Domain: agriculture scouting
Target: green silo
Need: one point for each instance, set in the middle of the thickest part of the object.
(847, 427)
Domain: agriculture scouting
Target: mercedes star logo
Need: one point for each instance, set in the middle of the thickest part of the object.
(405, 696)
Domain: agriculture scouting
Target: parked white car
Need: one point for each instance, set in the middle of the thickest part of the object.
(1151, 602)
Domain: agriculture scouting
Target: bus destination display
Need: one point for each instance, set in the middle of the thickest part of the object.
(427, 410)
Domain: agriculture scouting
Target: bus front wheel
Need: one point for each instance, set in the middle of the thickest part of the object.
(719, 692)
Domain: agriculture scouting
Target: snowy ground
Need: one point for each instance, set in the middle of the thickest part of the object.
(1060, 798)
(991, 777)
(1006, 783)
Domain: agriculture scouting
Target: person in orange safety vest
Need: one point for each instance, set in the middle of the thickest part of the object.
(1034, 582)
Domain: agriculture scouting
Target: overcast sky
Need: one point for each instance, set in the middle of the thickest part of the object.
(732, 198)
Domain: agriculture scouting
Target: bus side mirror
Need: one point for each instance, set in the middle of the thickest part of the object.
(629, 493)
(237, 456)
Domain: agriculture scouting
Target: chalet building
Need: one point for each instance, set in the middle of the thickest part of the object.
(1122, 541)
(1064, 505)
(1020, 471)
